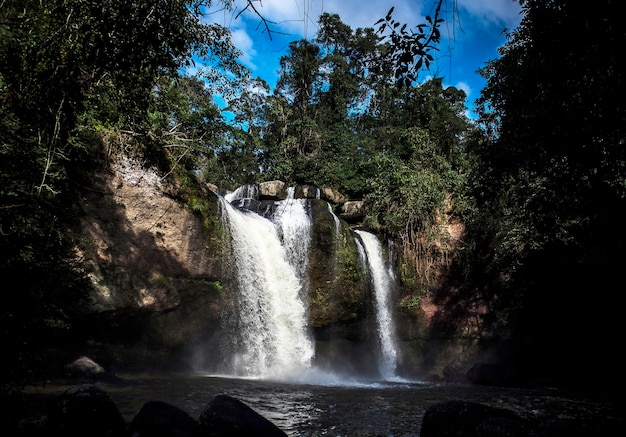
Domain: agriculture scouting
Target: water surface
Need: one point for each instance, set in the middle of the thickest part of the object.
(344, 407)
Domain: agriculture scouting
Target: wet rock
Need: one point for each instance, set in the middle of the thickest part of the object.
(86, 410)
(470, 419)
(227, 416)
(158, 418)
(84, 367)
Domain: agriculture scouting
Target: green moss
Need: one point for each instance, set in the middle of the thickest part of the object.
(411, 302)
(348, 262)
(320, 299)
(215, 285)
(162, 282)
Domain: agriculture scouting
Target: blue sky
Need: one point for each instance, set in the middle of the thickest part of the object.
(472, 32)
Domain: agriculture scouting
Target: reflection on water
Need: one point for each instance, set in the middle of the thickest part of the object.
(350, 409)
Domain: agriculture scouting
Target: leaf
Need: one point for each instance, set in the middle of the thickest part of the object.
(390, 13)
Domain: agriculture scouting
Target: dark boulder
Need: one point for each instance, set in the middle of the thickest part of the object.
(160, 419)
(86, 410)
(471, 419)
(227, 416)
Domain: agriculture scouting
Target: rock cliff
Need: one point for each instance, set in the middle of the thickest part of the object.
(155, 266)
(154, 254)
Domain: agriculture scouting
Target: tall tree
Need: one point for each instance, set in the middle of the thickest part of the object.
(550, 180)
(294, 126)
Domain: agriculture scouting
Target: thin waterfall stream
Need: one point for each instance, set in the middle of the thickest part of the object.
(381, 281)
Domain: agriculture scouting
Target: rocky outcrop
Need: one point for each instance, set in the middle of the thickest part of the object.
(337, 290)
(88, 410)
(85, 410)
(155, 266)
(227, 416)
(160, 418)
(84, 367)
(273, 190)
(352, 211)
(333, 196)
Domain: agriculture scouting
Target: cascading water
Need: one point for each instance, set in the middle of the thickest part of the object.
(267, 334)
(336, 219)
(371, 252)
(294, 225)
(270, 336)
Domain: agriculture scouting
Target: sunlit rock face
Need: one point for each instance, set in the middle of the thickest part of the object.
(352, 211)
(276, 190)
(154, 267)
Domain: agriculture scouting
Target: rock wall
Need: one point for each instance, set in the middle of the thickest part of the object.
(155, 267)
(160, 279)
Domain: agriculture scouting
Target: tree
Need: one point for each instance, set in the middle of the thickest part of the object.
(293, 132)
(550, 180)
(69, 71)
(411, 47)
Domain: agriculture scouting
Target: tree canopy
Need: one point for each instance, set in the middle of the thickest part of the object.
(549, 182)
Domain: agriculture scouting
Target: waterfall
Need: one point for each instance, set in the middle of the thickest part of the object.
(371, 252)
(336, 219)
(270, 336)
(294, 225)
(266, 328)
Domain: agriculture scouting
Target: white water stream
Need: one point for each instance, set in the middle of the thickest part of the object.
(294, 225)
(271, 338)
(372, 252)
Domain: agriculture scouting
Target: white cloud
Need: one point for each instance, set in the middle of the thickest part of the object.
(243, 42)
(502, 12)
(364, 14)
(464, 86)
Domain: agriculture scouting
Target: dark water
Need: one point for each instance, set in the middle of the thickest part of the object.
(349, 408)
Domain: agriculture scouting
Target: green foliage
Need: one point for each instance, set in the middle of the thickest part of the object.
(410, 191)
(335, 110)
(548, 178)
(411, 302)
(74, 74)
(411, 47)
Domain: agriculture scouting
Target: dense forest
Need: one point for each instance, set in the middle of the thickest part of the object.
(539, 179)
